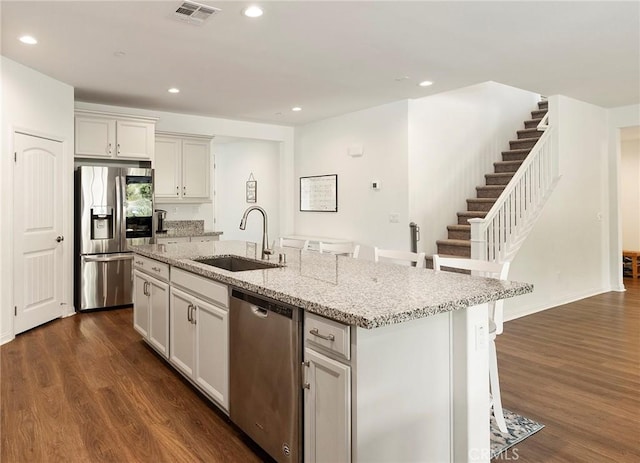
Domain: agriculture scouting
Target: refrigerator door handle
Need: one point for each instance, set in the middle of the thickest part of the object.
(121, 200)
(108, 258)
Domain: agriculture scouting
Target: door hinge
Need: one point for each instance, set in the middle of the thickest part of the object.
(15, 310)
(15, 156)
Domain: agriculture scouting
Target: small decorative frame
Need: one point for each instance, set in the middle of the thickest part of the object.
(319, 193)
(252, 189)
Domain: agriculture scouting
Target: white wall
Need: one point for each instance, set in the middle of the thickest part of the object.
(363, 214)
(625, 116)
(630, 194)
(235, 162)
(202, 125)
(40, 105)
(454, 139)
(566, 256)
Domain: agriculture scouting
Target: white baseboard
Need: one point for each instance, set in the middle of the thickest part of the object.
(567, 299)
(6, 337)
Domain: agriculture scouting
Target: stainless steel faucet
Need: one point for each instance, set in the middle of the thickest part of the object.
(265, 236)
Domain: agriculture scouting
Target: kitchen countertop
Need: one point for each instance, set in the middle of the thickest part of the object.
(179, 232)
(351, 291)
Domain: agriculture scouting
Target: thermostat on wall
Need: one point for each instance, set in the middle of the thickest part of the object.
(375, 184)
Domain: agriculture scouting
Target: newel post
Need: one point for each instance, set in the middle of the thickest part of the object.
(478, 241)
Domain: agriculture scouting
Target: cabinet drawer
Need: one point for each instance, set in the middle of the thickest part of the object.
(200, 286)
(329, 335)
(174, 240)
(152, 267)
(203, 239)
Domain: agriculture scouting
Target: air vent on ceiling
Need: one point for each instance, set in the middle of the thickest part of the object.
(195, 13)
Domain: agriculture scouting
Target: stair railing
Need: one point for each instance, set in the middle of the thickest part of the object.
(499, 235)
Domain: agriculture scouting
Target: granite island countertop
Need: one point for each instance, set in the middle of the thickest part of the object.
(351, 291)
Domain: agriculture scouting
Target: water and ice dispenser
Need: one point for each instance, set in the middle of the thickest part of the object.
(102, 223)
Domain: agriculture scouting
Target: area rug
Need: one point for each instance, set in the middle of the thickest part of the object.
(518, 429)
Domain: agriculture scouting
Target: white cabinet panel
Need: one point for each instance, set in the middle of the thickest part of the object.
(199, 343)
(195, 169)
(182, 168)
(159, 316)
(212, 370)
(95, 136)
(151, 310)
(327, 409)
(140, 303)
(181, 332)
(167, 167)
(114, 136)
(135, 139)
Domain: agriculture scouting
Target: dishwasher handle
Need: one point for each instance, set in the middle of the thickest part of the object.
(259, 311)
(261, 307)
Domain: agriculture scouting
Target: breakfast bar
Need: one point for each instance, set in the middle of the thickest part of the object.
(403, 356)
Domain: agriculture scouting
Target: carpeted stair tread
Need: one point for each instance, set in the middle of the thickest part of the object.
(529, 133)
(544, 104)
(523, 143)
(458, 248)
(489, 191)
(459, 232)
(539, 114)
(463, 217)
(531, 123)
(480, 204)
(516, 155)
(501, 167)
(498, 179)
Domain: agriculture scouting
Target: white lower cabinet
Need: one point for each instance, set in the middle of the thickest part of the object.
(327, 402)
(199, 343)
(327, 409)
(151, 310)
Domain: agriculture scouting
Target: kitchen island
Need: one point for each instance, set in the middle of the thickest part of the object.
(415, 365)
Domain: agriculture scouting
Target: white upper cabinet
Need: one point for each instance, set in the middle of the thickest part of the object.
(182, 168)
(114, 136)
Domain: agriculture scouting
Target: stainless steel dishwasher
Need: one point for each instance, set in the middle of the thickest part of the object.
(265, 354)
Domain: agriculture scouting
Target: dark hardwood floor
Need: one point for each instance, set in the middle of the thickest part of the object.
(576, 369)
(87, 389)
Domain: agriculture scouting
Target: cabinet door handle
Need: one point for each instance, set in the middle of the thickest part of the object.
(108, 148)
(189, 307)
(327, 337)
(118, 148)
(193, 318)
(145, 289)
(155, 269)
(177, 191)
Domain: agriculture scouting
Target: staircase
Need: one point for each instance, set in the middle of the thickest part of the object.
(458, 242)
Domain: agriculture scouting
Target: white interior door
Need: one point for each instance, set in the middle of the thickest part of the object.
(38, 239)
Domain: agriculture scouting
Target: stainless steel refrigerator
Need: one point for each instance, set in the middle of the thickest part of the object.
(114, 210)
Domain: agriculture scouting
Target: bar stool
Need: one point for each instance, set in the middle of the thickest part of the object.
(347, 249)
(293, 243)
(402, 256)
(500, 272)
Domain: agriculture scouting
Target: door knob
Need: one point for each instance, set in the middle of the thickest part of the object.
(60, 238)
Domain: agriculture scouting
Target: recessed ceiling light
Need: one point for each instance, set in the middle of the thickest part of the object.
(425, 83)
(296, 108)
(253, 11)
(28, 40)
(119, 54)
(174, 90)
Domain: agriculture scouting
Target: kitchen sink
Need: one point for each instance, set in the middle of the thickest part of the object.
(236, 263)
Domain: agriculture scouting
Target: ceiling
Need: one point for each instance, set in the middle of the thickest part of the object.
(329, 58)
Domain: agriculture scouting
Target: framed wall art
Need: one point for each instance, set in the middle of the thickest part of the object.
(252, 189)
(319, 193)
